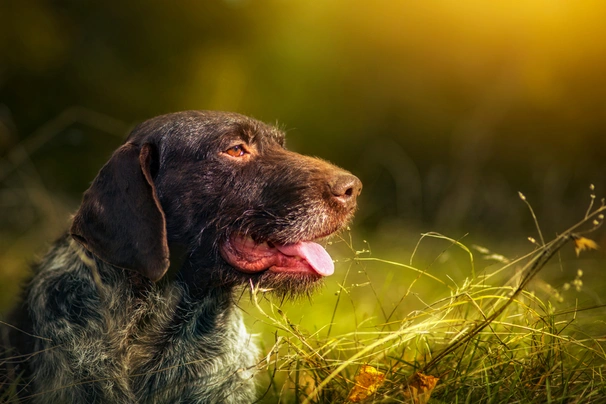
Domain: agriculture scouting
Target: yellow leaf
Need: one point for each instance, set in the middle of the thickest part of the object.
(582, 244)
(368, 380)
(307, 385)
(420, 387)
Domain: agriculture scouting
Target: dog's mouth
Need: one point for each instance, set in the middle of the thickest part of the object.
(251, 257)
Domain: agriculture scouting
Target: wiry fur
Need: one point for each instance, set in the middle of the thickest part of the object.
(104, 320)
(111, 343)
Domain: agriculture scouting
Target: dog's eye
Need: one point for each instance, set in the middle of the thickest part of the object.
(236, 151)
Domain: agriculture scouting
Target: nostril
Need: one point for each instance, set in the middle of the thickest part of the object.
(345, 187)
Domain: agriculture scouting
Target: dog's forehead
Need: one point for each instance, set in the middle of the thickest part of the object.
(203, 129)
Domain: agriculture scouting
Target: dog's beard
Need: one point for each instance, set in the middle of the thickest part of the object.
(286, 285)
(282, 284)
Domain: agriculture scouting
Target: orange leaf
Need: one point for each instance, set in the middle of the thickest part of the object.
(368, 380)
(420, 387)
(582, 244)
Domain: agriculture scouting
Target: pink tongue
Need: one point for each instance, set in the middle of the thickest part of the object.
(315, 255)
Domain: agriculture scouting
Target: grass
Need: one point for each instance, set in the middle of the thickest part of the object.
(489, 338)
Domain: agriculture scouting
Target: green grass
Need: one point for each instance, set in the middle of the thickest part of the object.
(491, 336)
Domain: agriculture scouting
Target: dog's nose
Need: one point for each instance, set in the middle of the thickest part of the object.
(345, 188)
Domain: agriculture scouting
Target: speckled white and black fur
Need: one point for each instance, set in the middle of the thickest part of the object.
(99, 340)
(135, 304)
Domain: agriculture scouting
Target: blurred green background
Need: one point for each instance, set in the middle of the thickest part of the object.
(444, 109)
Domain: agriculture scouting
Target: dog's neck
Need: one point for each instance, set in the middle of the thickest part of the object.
(183, 282)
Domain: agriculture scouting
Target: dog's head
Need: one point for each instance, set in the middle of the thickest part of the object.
(223, 187)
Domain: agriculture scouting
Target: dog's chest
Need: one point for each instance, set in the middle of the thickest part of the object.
(163, 335)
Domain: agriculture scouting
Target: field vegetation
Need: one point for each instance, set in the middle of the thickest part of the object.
(451, 329)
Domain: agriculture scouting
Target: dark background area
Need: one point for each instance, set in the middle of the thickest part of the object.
(445, 110)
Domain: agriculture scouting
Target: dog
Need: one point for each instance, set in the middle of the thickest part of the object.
(136, 303)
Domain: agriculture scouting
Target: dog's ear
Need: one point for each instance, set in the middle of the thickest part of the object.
(120, 219)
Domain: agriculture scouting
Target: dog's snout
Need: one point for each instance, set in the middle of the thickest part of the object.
(345, 188)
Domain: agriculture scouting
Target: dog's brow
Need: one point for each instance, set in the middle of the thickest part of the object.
(236, 134)
(251, 135)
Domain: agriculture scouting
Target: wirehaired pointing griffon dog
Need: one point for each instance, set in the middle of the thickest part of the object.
(135, 304)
